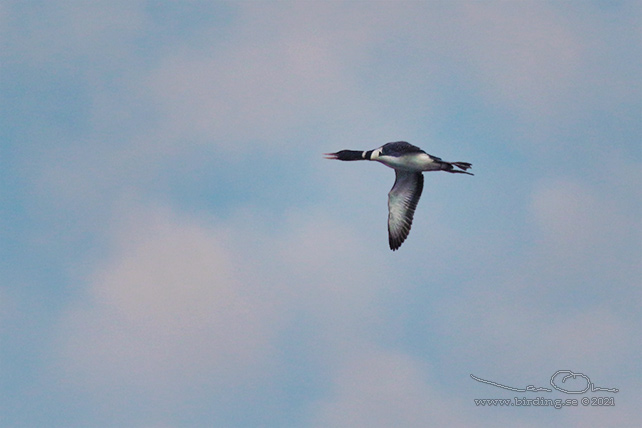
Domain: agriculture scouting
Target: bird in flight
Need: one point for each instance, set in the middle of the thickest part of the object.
(409, 162)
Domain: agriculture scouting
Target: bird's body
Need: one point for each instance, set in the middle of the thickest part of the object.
(409, 163)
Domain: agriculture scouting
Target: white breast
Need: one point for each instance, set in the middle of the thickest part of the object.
(413, 162)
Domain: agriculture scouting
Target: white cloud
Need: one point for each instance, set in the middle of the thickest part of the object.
(534, 334)
(527, 53)
(383, 389)
(164, 312)
(583, 230)
(271, 76)
(180, 304)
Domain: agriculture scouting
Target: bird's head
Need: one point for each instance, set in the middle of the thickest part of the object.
(352, 155)
(346, 155)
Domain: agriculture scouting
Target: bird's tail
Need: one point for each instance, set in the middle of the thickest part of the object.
(463, 167)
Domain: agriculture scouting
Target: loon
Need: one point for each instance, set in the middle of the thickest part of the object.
(409, 162)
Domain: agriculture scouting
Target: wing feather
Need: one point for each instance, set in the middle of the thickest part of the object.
(402, 202)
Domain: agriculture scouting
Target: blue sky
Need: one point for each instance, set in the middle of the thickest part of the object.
(176, 252)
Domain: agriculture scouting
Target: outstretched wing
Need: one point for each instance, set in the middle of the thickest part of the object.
(402, 201)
